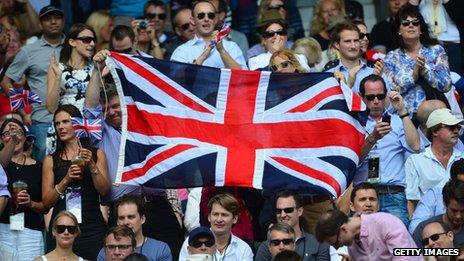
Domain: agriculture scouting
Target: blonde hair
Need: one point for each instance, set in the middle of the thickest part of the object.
(70, 215)
(317, 23)
(97, 20)
(290, 56)
(312, 49)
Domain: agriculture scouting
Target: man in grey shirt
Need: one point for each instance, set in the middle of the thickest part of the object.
(33, 60)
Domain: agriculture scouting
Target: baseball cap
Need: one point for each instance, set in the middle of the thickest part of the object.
(442, 116)
(49, 9)
(200, 231)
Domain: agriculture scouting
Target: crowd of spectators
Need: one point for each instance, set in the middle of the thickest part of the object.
(58, 199)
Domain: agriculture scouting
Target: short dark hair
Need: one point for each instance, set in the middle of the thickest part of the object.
(371, 78)
(287, 255)
(340, 27)
(120, 32)
(280, 22)
(154, 3)
(329, 224)
(282, 227)
(453, 189)
(222, 6)
(131, 199)
(173, 18)
(289, 193)
(122, 231)
(444, 226)
(365, 186)
(457, 168)
(136, 257)
(226, 201)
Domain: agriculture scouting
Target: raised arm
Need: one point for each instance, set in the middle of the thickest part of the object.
(412, 137)
(92, 94)
(53, 85)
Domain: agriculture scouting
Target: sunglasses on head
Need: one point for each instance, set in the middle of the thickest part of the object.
(414, 22)
(211, 15)
(286, 210)
(267, 35)
(362, 35)
(276, 7)
(86, 39)
(433, 237)
(61, 228)
(185, 26)
(199, 243)
(371, 97)
(154, 15)
(285, 241)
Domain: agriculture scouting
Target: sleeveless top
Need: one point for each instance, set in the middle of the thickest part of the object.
(45, 259)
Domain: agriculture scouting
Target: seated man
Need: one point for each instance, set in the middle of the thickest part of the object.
(281, 237)
(119, 243)
(368, 237)
(453, 197)
(201, 244)
(436, 235)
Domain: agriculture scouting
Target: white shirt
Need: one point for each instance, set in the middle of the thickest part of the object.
(424, 171)
(238, 250)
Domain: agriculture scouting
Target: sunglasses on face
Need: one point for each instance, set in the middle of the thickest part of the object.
(414, 22)
(86, 39)
(433, 237)
(276, 7)
(371, 97)
(268, 35)
(126, 51)
(185, 26)
(61, 228)
(199, 243)
(120, 247)
(154, 15)
(211, 16)
(286, 210)
(285, 241)
(452, 128)
(362, 35)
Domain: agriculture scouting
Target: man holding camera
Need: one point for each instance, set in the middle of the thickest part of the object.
(203, 48)
(390, 136)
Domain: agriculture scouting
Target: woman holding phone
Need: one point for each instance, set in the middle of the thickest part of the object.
(68, 186)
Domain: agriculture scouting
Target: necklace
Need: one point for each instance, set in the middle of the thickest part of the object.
(17, 165)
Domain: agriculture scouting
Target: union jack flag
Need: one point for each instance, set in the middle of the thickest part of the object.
(189, 126)
(20, 97)
(225, 31)
(87, 128)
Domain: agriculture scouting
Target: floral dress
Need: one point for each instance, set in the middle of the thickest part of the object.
(72, 91)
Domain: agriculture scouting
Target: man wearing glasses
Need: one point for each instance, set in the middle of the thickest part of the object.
(431, 167)
(391, 137)
(201, 244)
(119, 243)
(184, 29)
(437, 235)
(203, 49)
(281, 237)
(289, 210)
(368, 237)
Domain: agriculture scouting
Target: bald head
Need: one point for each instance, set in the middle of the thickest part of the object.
(426, 107)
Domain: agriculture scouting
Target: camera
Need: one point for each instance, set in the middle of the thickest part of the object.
(142, 24)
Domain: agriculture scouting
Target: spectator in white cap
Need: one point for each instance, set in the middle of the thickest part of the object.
(432, 166)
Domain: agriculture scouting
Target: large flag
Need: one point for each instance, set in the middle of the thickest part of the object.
(187, 126)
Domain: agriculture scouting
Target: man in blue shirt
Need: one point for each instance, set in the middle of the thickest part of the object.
(386, 145)
(202, 49)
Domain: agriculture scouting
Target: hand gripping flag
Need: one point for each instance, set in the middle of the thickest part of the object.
(189, 126)
(87, 128)
(225, 31)
(20, 97)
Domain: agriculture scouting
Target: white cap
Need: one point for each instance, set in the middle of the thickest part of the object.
(442, 116)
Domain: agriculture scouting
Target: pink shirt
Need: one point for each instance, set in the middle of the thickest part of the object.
(380, 234)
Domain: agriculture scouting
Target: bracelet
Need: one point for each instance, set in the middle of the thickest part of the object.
(94, 173)
(61, 194)
(404, 115)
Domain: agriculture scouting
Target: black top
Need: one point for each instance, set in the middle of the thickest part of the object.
(382, 34)
(32, 175)
(322, 41)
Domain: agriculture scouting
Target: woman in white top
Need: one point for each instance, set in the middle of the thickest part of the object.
(65, 230)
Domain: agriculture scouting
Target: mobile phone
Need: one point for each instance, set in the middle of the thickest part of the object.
(373, 171)
(386, 118)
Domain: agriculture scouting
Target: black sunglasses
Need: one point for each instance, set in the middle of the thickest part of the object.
(267, 35)
(286, 210)
(120, 247)
(433, 237)
(414, 22)
(285, 241)
(154, 15)
(362, 35)
(211, 16)
(371, 97)
(126, 51)
(199, 243)
(185, 26)
(282, 65)
(61, 228)
(276, 7)
(86, 39)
